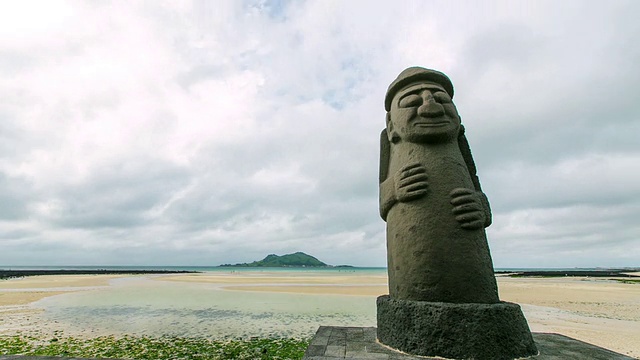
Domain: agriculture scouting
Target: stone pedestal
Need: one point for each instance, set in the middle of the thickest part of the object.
(459, 331)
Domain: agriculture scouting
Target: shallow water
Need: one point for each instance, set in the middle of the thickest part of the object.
(142, 306)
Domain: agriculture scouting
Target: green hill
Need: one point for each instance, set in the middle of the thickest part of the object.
(298, 259)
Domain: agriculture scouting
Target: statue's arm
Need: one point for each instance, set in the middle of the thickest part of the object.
(407, 184)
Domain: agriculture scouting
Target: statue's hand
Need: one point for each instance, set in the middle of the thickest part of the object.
(467, 208)
(411, 182)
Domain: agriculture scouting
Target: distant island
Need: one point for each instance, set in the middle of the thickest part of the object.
(298, 259)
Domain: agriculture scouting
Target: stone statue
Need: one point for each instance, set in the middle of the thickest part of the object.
(438, 258)
(431, 198)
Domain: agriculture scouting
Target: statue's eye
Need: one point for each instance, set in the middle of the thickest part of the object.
(412, 100)
(442, 97)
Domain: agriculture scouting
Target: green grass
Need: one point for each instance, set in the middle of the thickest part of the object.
(628, 281)
(166, 347)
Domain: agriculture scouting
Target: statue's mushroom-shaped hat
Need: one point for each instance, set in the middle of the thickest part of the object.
(413, 75)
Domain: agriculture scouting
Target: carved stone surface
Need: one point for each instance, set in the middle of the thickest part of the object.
(443, 297)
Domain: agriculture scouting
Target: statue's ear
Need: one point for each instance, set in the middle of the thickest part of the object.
(392, 135)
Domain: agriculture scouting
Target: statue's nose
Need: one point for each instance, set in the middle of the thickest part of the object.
(430, 108)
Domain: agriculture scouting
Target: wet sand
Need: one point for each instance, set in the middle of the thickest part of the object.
(22, 291)
(294, 283)
(599, 311)
(16, 295)
(50, 281)
(359, 290)
(25, 297)
(279, 277)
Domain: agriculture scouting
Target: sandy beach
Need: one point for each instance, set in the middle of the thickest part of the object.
(604, 312)
(21, 291)
(312, 283)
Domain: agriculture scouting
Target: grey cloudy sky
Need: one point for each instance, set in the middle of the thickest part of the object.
(207, 132)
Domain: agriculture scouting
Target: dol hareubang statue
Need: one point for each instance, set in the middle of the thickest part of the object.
(443, 298)
(431, 198)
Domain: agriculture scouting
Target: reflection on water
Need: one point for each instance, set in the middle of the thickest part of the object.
(142, 306)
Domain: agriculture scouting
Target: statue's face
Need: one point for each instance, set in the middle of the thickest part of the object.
(423, 113)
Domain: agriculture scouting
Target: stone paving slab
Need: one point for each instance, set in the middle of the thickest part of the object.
(359, 343)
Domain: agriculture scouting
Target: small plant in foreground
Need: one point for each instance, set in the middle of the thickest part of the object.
(166, 347)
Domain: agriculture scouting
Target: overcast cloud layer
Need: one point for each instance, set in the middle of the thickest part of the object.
(209, 132)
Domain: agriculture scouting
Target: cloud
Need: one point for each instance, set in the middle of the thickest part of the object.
(201, 133)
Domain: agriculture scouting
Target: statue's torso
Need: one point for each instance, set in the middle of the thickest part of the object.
(431, 258)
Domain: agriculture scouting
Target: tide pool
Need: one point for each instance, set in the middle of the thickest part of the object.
(141, 305)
